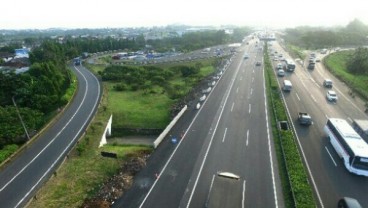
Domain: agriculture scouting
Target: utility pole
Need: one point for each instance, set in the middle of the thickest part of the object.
(20, 118)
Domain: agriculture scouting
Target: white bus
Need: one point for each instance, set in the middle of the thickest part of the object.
(348, 145)
(289, 65)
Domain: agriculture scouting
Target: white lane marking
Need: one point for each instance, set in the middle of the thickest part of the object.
(314, 99)
(237, 90)
(252, 79)
(250, 106)
(208, 197)
(269, 144)
(241, 78)
(243, 198)
(247, 138)
(223, 138)
(71, 142)
(297, 96)
(209, 145)
(331, 156)
(232, 107)
(326, 116)
(251, 91)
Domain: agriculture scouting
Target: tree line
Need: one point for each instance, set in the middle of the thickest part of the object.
(354, 34)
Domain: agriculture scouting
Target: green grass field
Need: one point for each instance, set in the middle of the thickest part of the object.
(336, 63)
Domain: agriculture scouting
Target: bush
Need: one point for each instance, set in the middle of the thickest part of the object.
(7, 151)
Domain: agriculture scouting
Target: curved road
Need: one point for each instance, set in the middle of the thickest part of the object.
(20, 180)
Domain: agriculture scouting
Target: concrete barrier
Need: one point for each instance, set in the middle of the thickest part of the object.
(168, 128)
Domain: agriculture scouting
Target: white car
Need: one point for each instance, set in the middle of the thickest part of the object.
(331, 96)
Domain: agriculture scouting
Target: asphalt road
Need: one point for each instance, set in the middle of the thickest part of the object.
(328, 176)
(20, 180)
(229, 133)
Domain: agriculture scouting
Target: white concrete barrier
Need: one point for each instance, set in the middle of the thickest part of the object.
(202, 98)
(106, 132)
(198, 106)
(168, 128)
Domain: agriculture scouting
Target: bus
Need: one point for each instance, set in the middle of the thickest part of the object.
(348, 145)
(290, 65)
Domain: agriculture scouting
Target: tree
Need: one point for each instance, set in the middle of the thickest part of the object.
(358, 63)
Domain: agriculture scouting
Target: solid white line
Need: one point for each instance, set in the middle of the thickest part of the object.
(269, 144)
(71, 142)
(297, 96)
(249, 108)
(223, 138)
(331, 156)
(232, 107)
(243, 198)
(213, 135)
(247, 137)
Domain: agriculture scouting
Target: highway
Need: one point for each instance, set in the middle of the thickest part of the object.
(21, 179)
(230, 132)
(328, 176)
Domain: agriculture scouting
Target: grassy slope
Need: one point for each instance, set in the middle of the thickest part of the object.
(336, 63)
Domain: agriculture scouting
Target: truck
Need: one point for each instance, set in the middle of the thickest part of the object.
(77, 61)
(225, 191)
(304, 119)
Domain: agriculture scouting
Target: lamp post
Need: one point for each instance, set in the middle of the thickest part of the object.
(20, 118)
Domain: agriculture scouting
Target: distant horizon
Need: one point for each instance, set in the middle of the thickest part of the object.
(70, 14)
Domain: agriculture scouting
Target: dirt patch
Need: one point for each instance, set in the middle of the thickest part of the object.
(115, 186)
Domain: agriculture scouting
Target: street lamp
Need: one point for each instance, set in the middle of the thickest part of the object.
(20, 118)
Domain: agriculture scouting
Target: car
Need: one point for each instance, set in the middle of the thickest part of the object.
(279, 66)
(304, 119)
(258, 63)
(331, 96)
(347, 202)
(327, 83)
(275, 59)
(280, 73)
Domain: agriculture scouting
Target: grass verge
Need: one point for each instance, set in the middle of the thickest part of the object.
(336, 64)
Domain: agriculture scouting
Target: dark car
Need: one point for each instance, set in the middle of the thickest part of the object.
(258, 63)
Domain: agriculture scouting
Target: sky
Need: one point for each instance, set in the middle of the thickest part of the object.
(43, 14)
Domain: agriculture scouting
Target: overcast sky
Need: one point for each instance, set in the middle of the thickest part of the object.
(41, 14)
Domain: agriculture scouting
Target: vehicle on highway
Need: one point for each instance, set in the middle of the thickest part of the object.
(279, 66)
(280, 73)
(304, 119)
(361, 127)
(225, 191)
(287, 86)
(327, 83)
(331, 96)
(311, 65)
(258, 63)
(246, 56)
(347, 202)
(348, 145)
(289, 65)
